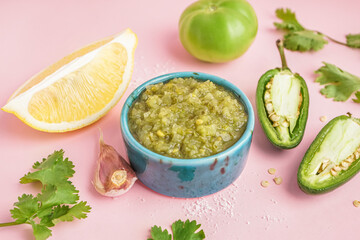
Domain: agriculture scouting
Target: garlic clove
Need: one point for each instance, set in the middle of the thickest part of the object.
(113, 176)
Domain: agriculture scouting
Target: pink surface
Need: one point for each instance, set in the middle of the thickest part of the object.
(34, 34)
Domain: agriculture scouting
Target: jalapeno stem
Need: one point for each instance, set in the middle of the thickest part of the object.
(280, 46)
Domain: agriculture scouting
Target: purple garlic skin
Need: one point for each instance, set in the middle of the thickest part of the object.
(113, 176)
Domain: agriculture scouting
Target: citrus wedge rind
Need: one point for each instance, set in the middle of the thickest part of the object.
(79, 89)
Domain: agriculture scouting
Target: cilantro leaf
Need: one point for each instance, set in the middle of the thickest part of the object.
(186, 231)
(77, 211)
(353, 40)
(289, 21)
(158, 234)
(299, 38)
(181, 231)
(57, 212)
(64, 193)
(339, 84)
(57, 200)
(357, 99)
(25, 208)
(304, 41)
(40, 231)
(53, 170)
(44, 211)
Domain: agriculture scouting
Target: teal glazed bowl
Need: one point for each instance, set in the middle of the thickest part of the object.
(187, 178)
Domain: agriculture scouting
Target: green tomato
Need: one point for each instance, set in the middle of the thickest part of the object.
(218, 30)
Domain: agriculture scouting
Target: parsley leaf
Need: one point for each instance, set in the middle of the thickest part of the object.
(186, 231)
(57, 200)
(181, 231)
(289, 21)
(304, 41)
(158, 234)
(353, 40)
(339, 84)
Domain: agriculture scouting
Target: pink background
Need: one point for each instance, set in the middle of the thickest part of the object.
(34, 34)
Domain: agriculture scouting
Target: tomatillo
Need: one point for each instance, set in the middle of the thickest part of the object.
(218, 30)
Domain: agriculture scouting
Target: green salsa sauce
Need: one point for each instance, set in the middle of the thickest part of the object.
(187, 118)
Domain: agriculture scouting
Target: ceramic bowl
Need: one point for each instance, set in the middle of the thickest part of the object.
(188, 178)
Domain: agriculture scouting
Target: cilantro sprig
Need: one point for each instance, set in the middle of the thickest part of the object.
(57, 202)
(339, 84)
(181, 231)
(299, 38)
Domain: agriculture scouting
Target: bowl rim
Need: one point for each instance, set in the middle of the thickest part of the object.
(127, 136)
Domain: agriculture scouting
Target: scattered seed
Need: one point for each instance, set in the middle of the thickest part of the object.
(275, 124)
(278, 180)
(323, 118)
(272, 171)
(333, 172)
(356, 203)
(264, 183)
(356, 155)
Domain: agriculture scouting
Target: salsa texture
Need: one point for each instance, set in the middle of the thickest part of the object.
(187, 118)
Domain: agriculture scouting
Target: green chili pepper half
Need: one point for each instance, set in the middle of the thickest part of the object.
(282, 101)
(333, 158)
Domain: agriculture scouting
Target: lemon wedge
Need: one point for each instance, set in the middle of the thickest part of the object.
(79, 89)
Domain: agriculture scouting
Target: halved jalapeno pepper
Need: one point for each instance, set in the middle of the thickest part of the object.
(282, 102)
(333, 158)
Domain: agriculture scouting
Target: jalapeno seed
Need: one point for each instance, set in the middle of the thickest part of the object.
(272, 171)
(278, 180)
(264, 183)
